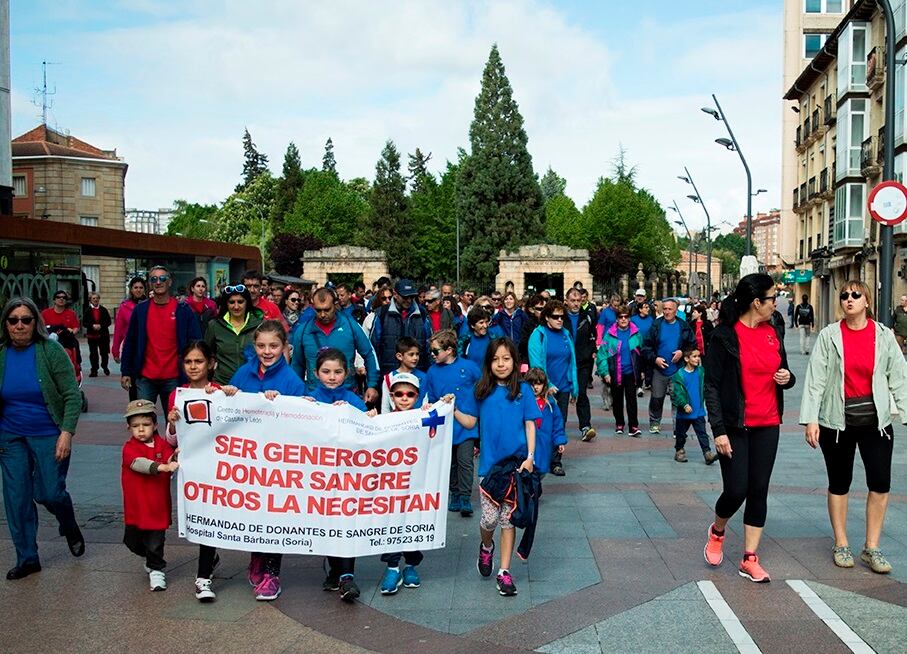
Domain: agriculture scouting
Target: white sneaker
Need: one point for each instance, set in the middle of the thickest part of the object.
(158, 580)
(203, 592)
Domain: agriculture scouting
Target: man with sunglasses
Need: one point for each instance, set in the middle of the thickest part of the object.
(663, 346)
(159, 329)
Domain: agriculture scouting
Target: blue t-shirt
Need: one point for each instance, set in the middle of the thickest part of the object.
(668, 343)
(476, 348)
(24, 410)
(341, 394)
(558, 358)
(502, 425)
(574, 323)
(607, 317)
(691, 383)
(642, 324)
(458, 377)
(626, 360)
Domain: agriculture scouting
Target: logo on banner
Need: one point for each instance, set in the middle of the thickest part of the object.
(433, 421)
(197, 411)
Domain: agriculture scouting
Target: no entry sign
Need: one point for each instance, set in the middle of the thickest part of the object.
(887, 203)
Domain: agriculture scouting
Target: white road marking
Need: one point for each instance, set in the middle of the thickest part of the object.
(727, 618)
(825, 613)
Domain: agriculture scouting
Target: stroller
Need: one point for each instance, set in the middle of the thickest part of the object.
(71, 344)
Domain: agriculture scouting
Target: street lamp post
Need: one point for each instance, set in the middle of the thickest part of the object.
(886, 243)
(734, 146)
(261, 215)
(708, 229)
(683, 223)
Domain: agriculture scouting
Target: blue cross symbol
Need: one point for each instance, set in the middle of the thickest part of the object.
(433, 421)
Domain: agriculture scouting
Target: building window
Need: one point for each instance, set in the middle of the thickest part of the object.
(93, 277)
(812, 44)
(853, 129)
(849, 223)
(852, 49)
(20, 186)
(88, 221)
(823, 6)
(88, 187)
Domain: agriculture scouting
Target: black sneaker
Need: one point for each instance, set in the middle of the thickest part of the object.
(349, 591)
(558, 470)
(330, 584)
(484, 562)
(506, 587)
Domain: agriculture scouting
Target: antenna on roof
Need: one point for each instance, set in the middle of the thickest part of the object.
(46, 102)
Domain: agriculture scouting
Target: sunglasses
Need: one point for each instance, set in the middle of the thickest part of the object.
(623, 315)
(856, 295)
(435, 351)
(292, 299)
(15, 320)
(239, 288)
(538, 308)
(556, 316)
(405, 394)
(60, 297)
(158, 279)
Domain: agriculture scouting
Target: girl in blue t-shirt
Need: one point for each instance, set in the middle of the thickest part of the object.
(267, 373)
(507, 415)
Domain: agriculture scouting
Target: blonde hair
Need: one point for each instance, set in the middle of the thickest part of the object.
(860, 286)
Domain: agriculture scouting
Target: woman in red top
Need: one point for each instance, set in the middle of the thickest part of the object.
(58, 317)
(745, 373)
(842, 414)
(702, 327)
(203, 306)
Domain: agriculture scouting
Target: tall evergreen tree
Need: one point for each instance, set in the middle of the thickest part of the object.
(499, 201)
(552, 184)
(328, 163)
(388, 223)
(418, 169)
(288, 185)
(254, 163)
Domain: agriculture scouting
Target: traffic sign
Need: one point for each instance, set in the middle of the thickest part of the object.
(887, 203)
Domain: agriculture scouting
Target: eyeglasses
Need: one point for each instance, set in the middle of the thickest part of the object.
(15, 320)
(769, 298)
(239, 288)
(556, 316)
(405, 394)
(154, 279)
(856, 295)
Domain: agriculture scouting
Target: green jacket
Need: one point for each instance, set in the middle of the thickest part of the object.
(680, 398)
(57, 379)
(823, 392)
(228, 346)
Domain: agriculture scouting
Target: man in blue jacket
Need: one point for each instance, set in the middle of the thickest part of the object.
(402, 317)
(334, 328)
(159, 329)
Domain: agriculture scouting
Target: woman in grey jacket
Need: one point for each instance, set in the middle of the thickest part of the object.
(855, 369)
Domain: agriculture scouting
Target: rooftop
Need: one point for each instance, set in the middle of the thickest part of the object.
(42, 141)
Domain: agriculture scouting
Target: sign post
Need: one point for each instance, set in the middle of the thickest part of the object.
(887, 203)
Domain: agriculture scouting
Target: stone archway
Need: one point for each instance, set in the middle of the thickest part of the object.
(319, 265)
(547, 260)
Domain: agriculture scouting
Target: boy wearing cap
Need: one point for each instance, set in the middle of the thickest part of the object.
(147, 464)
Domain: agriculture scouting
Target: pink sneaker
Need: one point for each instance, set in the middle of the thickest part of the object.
(750, 568)
(256, 570)
(714, 548)
(268, 589)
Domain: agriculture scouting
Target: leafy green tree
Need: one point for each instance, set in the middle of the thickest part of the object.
(432, 207)
(388, 224)
(732, 243)
(326, 209)
(552, 185)
(193, 220)
(729, 260)
(254, 162)
(418, 169)
(499, 201)
(563, 222)
(328, 163)
(361, 187)
(243, 218)
(287, 186)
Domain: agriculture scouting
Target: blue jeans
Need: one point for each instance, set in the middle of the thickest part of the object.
(32, 474)
(152, 389)
(682, 426)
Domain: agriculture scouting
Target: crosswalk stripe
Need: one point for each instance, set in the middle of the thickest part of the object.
(825, 613)
(728, 619)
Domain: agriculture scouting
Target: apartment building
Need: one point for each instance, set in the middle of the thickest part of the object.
(836, 153)
(766, 238)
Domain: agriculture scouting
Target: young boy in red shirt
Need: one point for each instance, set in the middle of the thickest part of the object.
(147, 464)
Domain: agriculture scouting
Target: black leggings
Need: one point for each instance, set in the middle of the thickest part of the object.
(839, 449)
(747, 472)
(625, 392)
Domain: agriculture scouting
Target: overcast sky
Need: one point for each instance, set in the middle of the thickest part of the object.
(171, 85)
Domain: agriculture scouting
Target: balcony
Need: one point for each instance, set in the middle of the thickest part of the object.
(812, 193)
(880, 150)
(875, 69)
(807, 128)
(869, 165)
(798, 206)
(799, 144)
(823, 182)
(815, 120)
(830, 110)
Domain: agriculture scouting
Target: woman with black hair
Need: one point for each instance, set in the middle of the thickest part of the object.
(232, 331)
(745, 374)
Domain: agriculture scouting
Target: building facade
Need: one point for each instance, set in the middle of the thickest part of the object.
(766, 238)
(60, 178)
(148, 221)
(837, 154)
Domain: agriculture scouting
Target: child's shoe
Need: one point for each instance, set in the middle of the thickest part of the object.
(349, 591)
(268, 589)
(506, 587)
(411, 577)
(391, 582)
(484, 562)
(256, 571)
(157, 580)
(203, 592)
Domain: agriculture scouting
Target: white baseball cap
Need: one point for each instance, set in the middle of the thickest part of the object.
(404, 378)
(640, 291)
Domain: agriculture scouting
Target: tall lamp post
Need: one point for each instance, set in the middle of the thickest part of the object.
(261, 215)
(735, 147)
(708, 229)
(886, 243)
(683, 224)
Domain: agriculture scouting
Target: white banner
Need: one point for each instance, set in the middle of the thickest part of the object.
(296, 476)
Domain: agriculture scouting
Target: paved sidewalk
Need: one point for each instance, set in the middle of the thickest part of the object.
(617, 567)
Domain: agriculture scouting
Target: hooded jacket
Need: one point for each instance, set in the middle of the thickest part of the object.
(347, 336)
(609, 353)
(231, 350)
(279, 377)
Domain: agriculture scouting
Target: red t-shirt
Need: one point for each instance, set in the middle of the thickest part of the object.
(161, 357)
(435, 317)
(271, 311)
(326, 328)
(760, 359)
(199, 306)
(859, 359)
(96, 320)
(67, 318)
(700, 341)
(146, 498)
